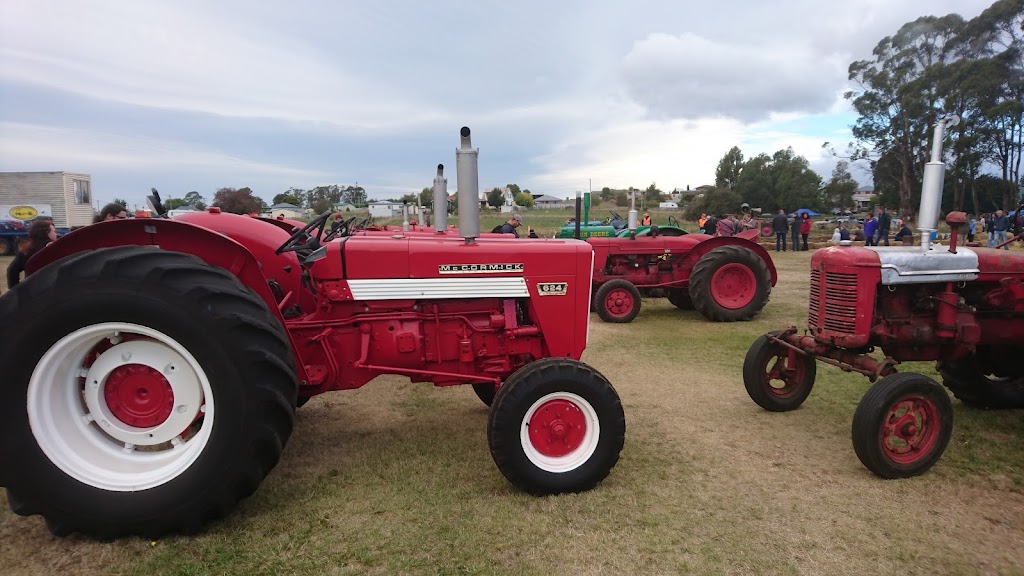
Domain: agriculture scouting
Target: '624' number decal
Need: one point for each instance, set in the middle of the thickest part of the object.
(552, 289)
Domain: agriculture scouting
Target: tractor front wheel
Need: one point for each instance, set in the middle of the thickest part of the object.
(145, 392)
(730, 283)
(777, 378)
(556, 426)
(902, 425)
(617, 301)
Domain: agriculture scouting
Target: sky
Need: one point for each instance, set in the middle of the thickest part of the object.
(560, 96)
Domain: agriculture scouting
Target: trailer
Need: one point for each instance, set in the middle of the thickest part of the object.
(64, 197)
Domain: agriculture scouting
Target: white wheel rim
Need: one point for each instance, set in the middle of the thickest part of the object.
(79, 433)
(578, 456)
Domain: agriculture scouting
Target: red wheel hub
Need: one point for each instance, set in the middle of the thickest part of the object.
(557, 428)
(619, 303)
(910, 430)
(138, 395)
(733, 286)
(788, 369)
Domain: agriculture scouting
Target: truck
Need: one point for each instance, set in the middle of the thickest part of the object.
(64, 197)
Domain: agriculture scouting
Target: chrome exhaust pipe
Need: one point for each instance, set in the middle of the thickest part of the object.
(468, 182)
(440, 201)
(931, 185)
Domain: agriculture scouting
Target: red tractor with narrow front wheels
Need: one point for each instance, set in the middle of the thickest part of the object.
(961, 307)
(152, 367)
(726, 279)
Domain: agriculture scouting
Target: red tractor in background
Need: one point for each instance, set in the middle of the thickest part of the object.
(153, 366)
(725, 278)
(961, 307)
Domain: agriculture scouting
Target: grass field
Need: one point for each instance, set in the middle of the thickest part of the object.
(396, 478)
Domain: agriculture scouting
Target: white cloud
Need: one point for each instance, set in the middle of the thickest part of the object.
(688, 76)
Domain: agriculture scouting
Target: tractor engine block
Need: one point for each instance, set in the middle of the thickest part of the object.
(446, 342)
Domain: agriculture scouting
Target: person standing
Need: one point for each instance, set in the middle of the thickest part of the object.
(972, 228)
(805, 228)
(884, 223)
(780, 224)
(870, 227)
(998, 234)
(646, 220)
(510, 227)
(794, 228)
(40, 234)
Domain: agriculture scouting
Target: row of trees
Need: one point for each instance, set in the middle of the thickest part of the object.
(783, 180)
(322, 198)
(936, 66)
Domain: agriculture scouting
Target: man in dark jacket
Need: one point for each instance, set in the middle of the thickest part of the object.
(510, 227)
(780, 224)
(884, 223)
(794, 228)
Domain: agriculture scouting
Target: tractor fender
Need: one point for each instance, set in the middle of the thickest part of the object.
(212, 247)
(706, 246)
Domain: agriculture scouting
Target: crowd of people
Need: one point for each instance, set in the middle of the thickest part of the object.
(728, 225)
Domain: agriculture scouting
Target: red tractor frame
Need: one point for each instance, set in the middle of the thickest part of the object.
(726, 279)
(153, 366)
(961, 307)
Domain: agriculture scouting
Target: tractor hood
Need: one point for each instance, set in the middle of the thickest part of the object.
(905, 264)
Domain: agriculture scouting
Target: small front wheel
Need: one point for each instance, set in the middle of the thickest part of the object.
(617, 301)
(556, 426)
(777, 378)
(902, 425)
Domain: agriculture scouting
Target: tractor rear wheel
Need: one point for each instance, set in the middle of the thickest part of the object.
(776, 378)
(145, 392)
(680, 298)
(485, 391)
(902, 425)
(730, 283)
(617, 301)
(556, 425)
(978, 387)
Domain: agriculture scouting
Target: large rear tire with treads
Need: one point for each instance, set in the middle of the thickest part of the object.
(730, 283)
(146, 393)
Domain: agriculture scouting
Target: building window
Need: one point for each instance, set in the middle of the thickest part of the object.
(82, 195)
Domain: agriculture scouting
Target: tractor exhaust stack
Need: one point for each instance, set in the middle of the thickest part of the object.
(405, 217)
(440, 201)
(632, 217)
(469, 188)
(931, 187)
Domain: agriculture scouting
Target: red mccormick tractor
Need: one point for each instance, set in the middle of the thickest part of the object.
(152, 367)
(724, 278)
(960, 307)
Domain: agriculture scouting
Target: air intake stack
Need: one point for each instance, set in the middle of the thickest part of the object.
(931, 186)
(440, 201)
(469, 188)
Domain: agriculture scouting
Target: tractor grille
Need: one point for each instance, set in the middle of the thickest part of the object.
(840, 302)
(812, 309)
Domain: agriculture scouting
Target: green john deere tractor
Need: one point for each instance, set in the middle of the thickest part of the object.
(597, 229)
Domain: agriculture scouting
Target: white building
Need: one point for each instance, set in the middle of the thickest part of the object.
(67, 195)
(289, 211)
(385, 209)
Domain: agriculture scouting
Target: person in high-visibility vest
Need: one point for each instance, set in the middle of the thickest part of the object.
(646, 220)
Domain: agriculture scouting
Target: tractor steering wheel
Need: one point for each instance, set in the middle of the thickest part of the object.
(673, 222)
(340, 229)
(293, 244)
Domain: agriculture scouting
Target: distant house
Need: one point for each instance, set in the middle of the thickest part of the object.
(345, 207)
(864, 197)
(545, 201)
(290, 211)
(385, 209)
